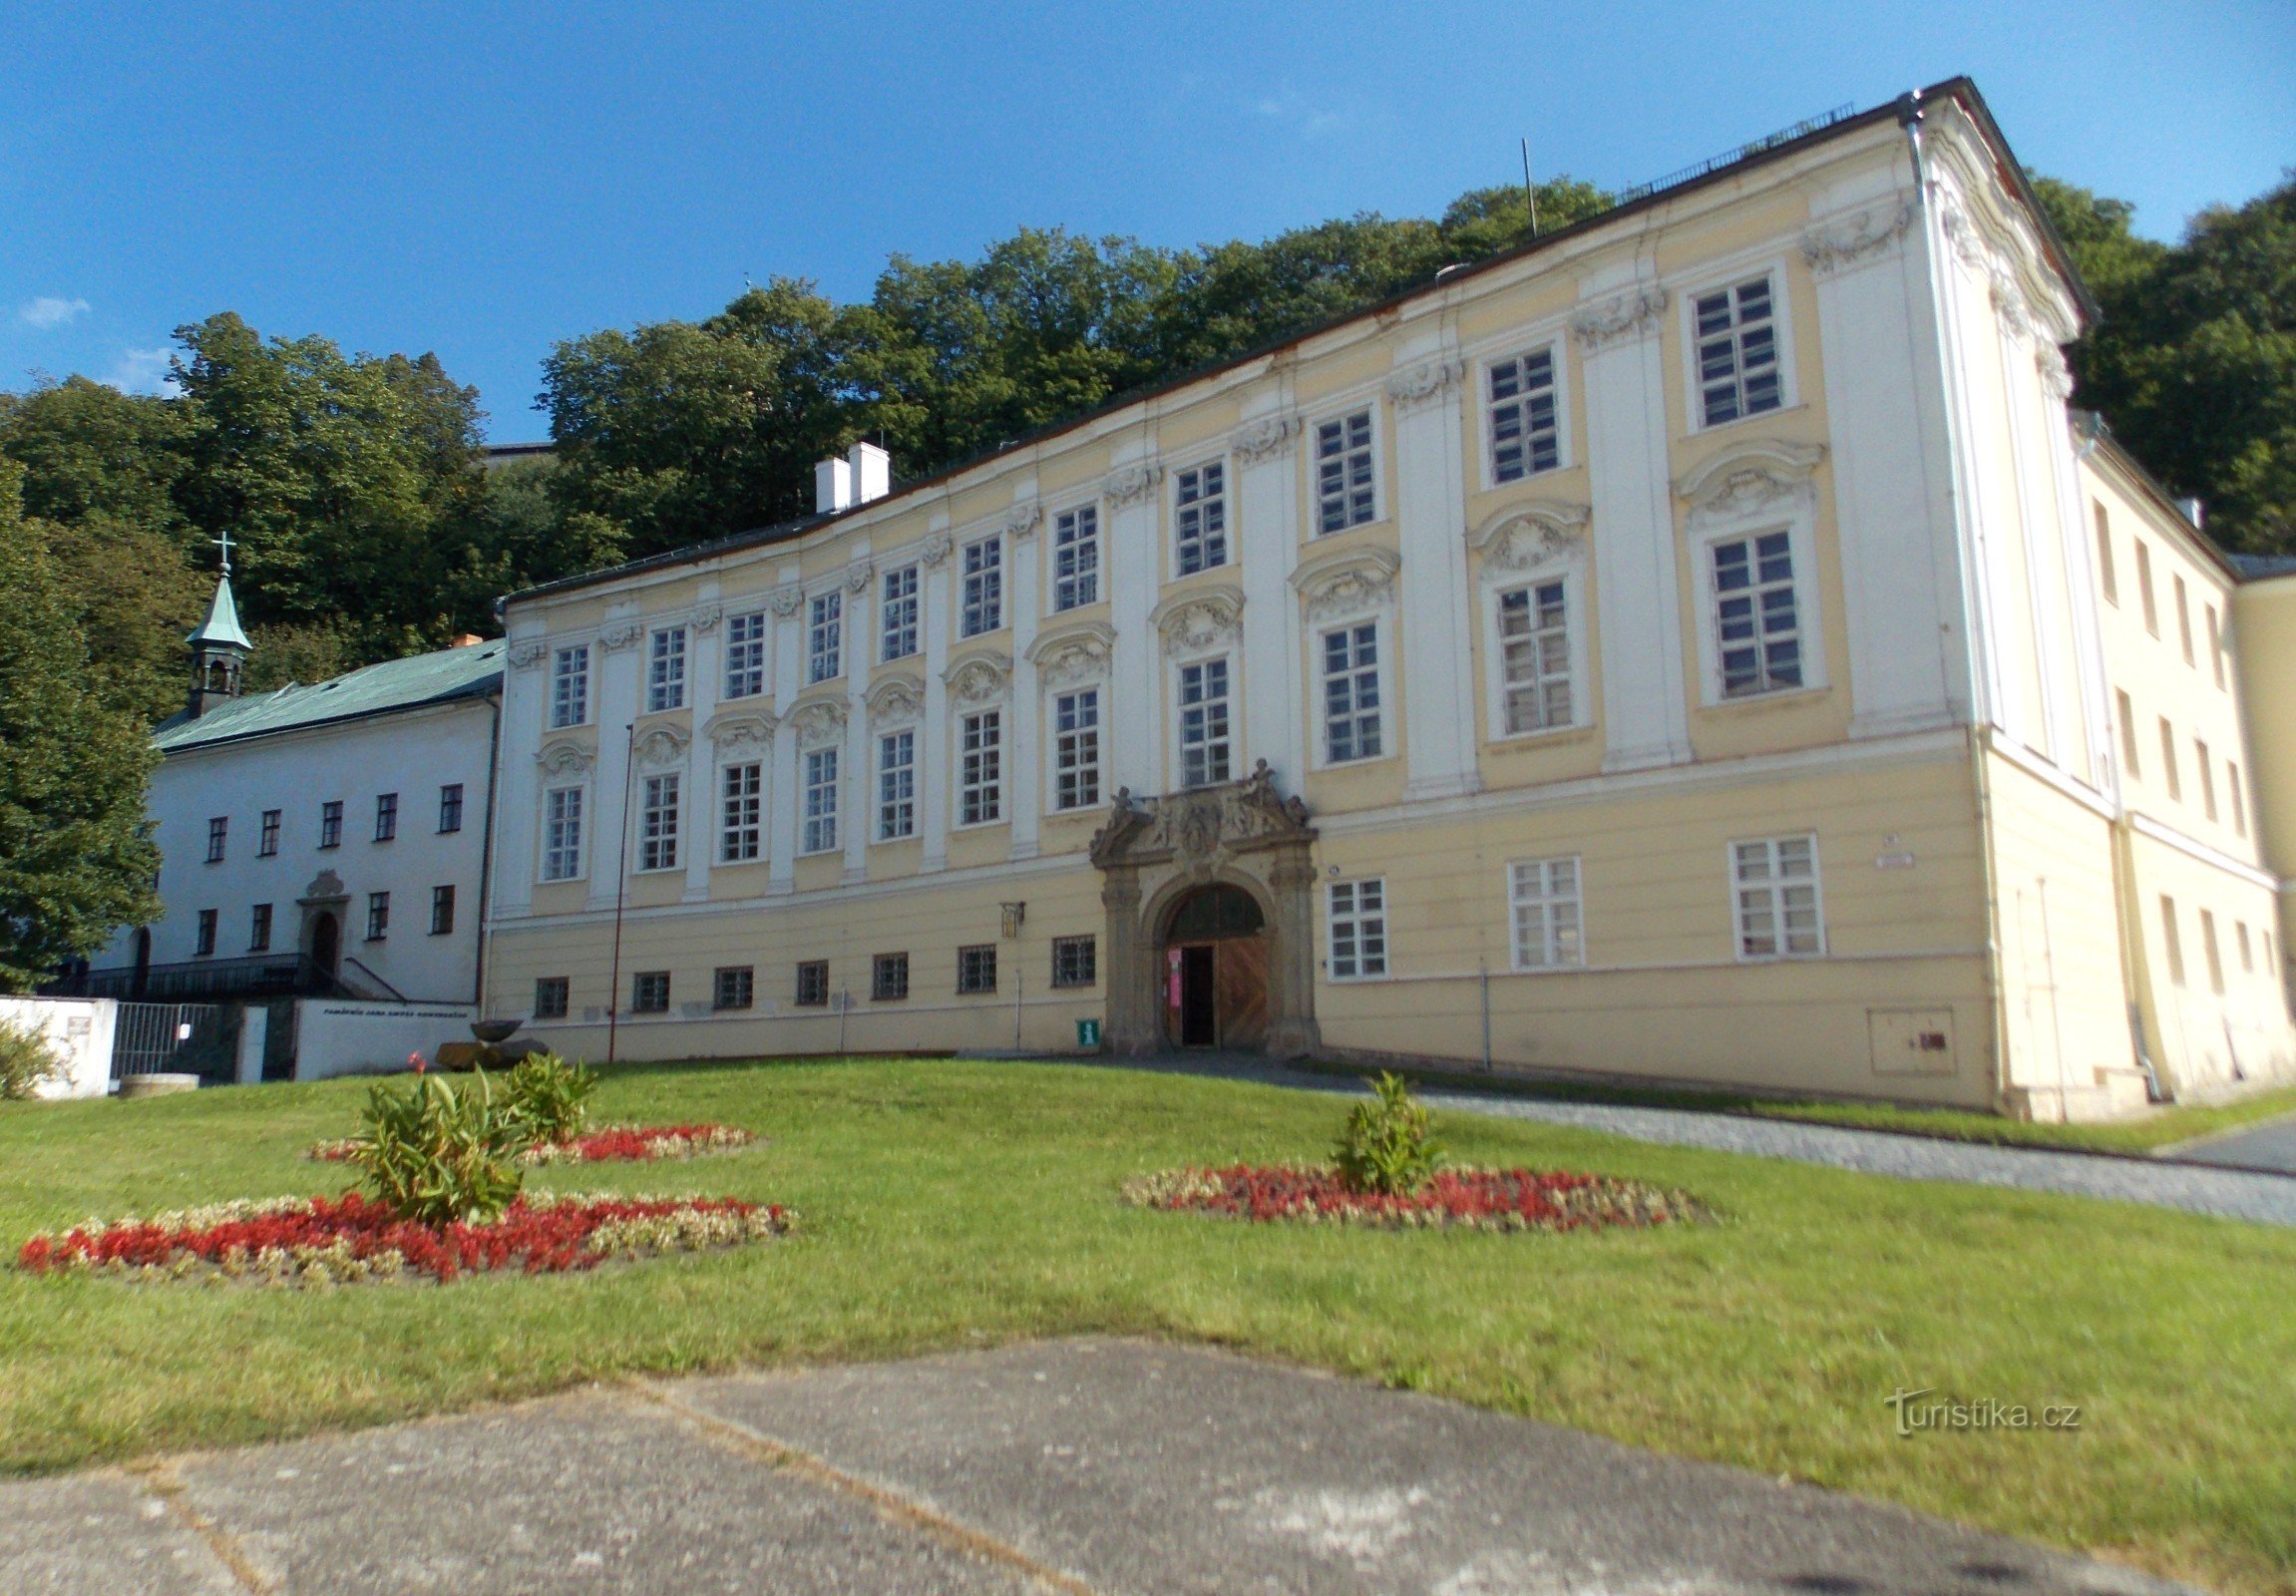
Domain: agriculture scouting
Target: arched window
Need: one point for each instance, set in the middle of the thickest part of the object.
(1213, 912)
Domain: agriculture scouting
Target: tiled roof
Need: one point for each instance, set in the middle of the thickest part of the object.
(395, 684)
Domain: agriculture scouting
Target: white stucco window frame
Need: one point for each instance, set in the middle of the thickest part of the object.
(1771, 261)
(1551, 335)
(551, 647)
(975, 682)
(1756, 486)
(1090, 498)
(566, 768)
(1372, 397)
(1198, 625)
(1225, 458)
(1523, 546)
(1070, 657)
(741, 736)
(1340, 589)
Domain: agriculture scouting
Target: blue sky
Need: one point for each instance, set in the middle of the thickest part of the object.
(481, 181)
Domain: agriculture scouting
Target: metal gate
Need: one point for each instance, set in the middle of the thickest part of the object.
(154, 1038)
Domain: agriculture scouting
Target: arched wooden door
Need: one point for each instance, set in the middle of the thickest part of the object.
(1215, 949)
(326, 944)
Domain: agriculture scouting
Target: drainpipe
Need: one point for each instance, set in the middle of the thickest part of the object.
(620, 885)
(1996, 1015)
(486, 856)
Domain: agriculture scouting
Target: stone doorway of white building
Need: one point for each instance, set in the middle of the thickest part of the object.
(1216, 969)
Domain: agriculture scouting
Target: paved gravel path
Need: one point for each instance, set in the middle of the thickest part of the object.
(1084, 1467)
(2270, 1145)
(2225, 1193)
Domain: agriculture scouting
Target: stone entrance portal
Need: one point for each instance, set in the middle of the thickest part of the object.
(1210, 938)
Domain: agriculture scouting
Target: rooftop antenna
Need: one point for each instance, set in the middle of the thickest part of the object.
(1529, 192)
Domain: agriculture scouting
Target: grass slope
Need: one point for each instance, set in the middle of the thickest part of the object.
(952, 1203)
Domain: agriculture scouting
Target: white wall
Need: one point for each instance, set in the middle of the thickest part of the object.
(338, 1038)
(413, 755)
(79, 1030)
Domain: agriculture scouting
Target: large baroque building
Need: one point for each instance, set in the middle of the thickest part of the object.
(1699, 644)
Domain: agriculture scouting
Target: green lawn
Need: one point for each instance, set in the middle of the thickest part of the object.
(955, 1203)
(2151, 1131)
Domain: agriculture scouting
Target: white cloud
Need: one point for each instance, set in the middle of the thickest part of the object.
(50, 311)
(140, 370)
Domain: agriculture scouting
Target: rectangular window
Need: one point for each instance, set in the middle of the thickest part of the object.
(2145, 587)
(1525, 437)
(665, 670)
(888, 978)
(1075, 961)
(896, 786)
(1757, 627)
(551, 995)
(1204, 723)
(741, 832)
(386, 816)
(733, 987)
(331, 823)
(267, 841)
(561, 834)
(1546, 904)
(569, 686)
(441, 911)
(1535, 658)
(1777, 884)
(825, 638)
(745, 654)
(1200, 518)
(1076, 558)
(2169, 760)
(898, 616)
(2105, 576)
(2215, 645)
(984, 586)
(260, 929)
(219, 827)
(1076, 749)
(2205, 769)
(812, 983)
(2127, 710)
(1351, 693)
(451, 807)
(981, 785)
(2239, 800)
(819, 801)
(203, 937)
(649, 992)
(1345, 484)
(1738, 353)
(379, 916)
(1358, 927)
(657, 824)
(976, 967)
(2210, 952)
(2247, 949)
(2183, 621)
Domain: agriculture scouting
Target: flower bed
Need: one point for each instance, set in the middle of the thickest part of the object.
(326, 1241)
(607, 1144)
(1479, 1199)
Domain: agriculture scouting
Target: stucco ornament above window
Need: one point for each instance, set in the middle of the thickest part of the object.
(528, 654)
(662, 748)
(1424, 383)
(857, 575)
(935, 548)
(565, 758)
(707, 616)
(1265, 439)
(1127, 483)
(784, 600)
(979, 679)
(743, 732)
(1634, 314)
(1080, 653)
(819, 723)
(1528, 537)
(1197, 620)
(615, 639)
(1750, 479)
(1347, 582)
(1022, 521)
(1866, 236)
(895, 699)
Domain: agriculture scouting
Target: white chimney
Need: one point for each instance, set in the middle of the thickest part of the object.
(872, 473)
(2194, 510)
(832, 486)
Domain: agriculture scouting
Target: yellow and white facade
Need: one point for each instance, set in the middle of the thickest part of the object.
(1675, 650)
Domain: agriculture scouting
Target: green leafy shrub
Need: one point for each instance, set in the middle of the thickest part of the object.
(1386, 1146)
(439, 1151)
(26, 1061)
(551, 1095)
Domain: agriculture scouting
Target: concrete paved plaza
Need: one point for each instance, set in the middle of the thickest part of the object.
(1096, 1466)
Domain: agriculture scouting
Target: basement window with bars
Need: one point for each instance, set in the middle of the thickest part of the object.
(1075, 961)
(649, 992)
(889, 977)
(733, 987)
(976, 968)
(551, 993)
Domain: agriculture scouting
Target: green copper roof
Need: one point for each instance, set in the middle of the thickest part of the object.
(222, 624)
(395, 684)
